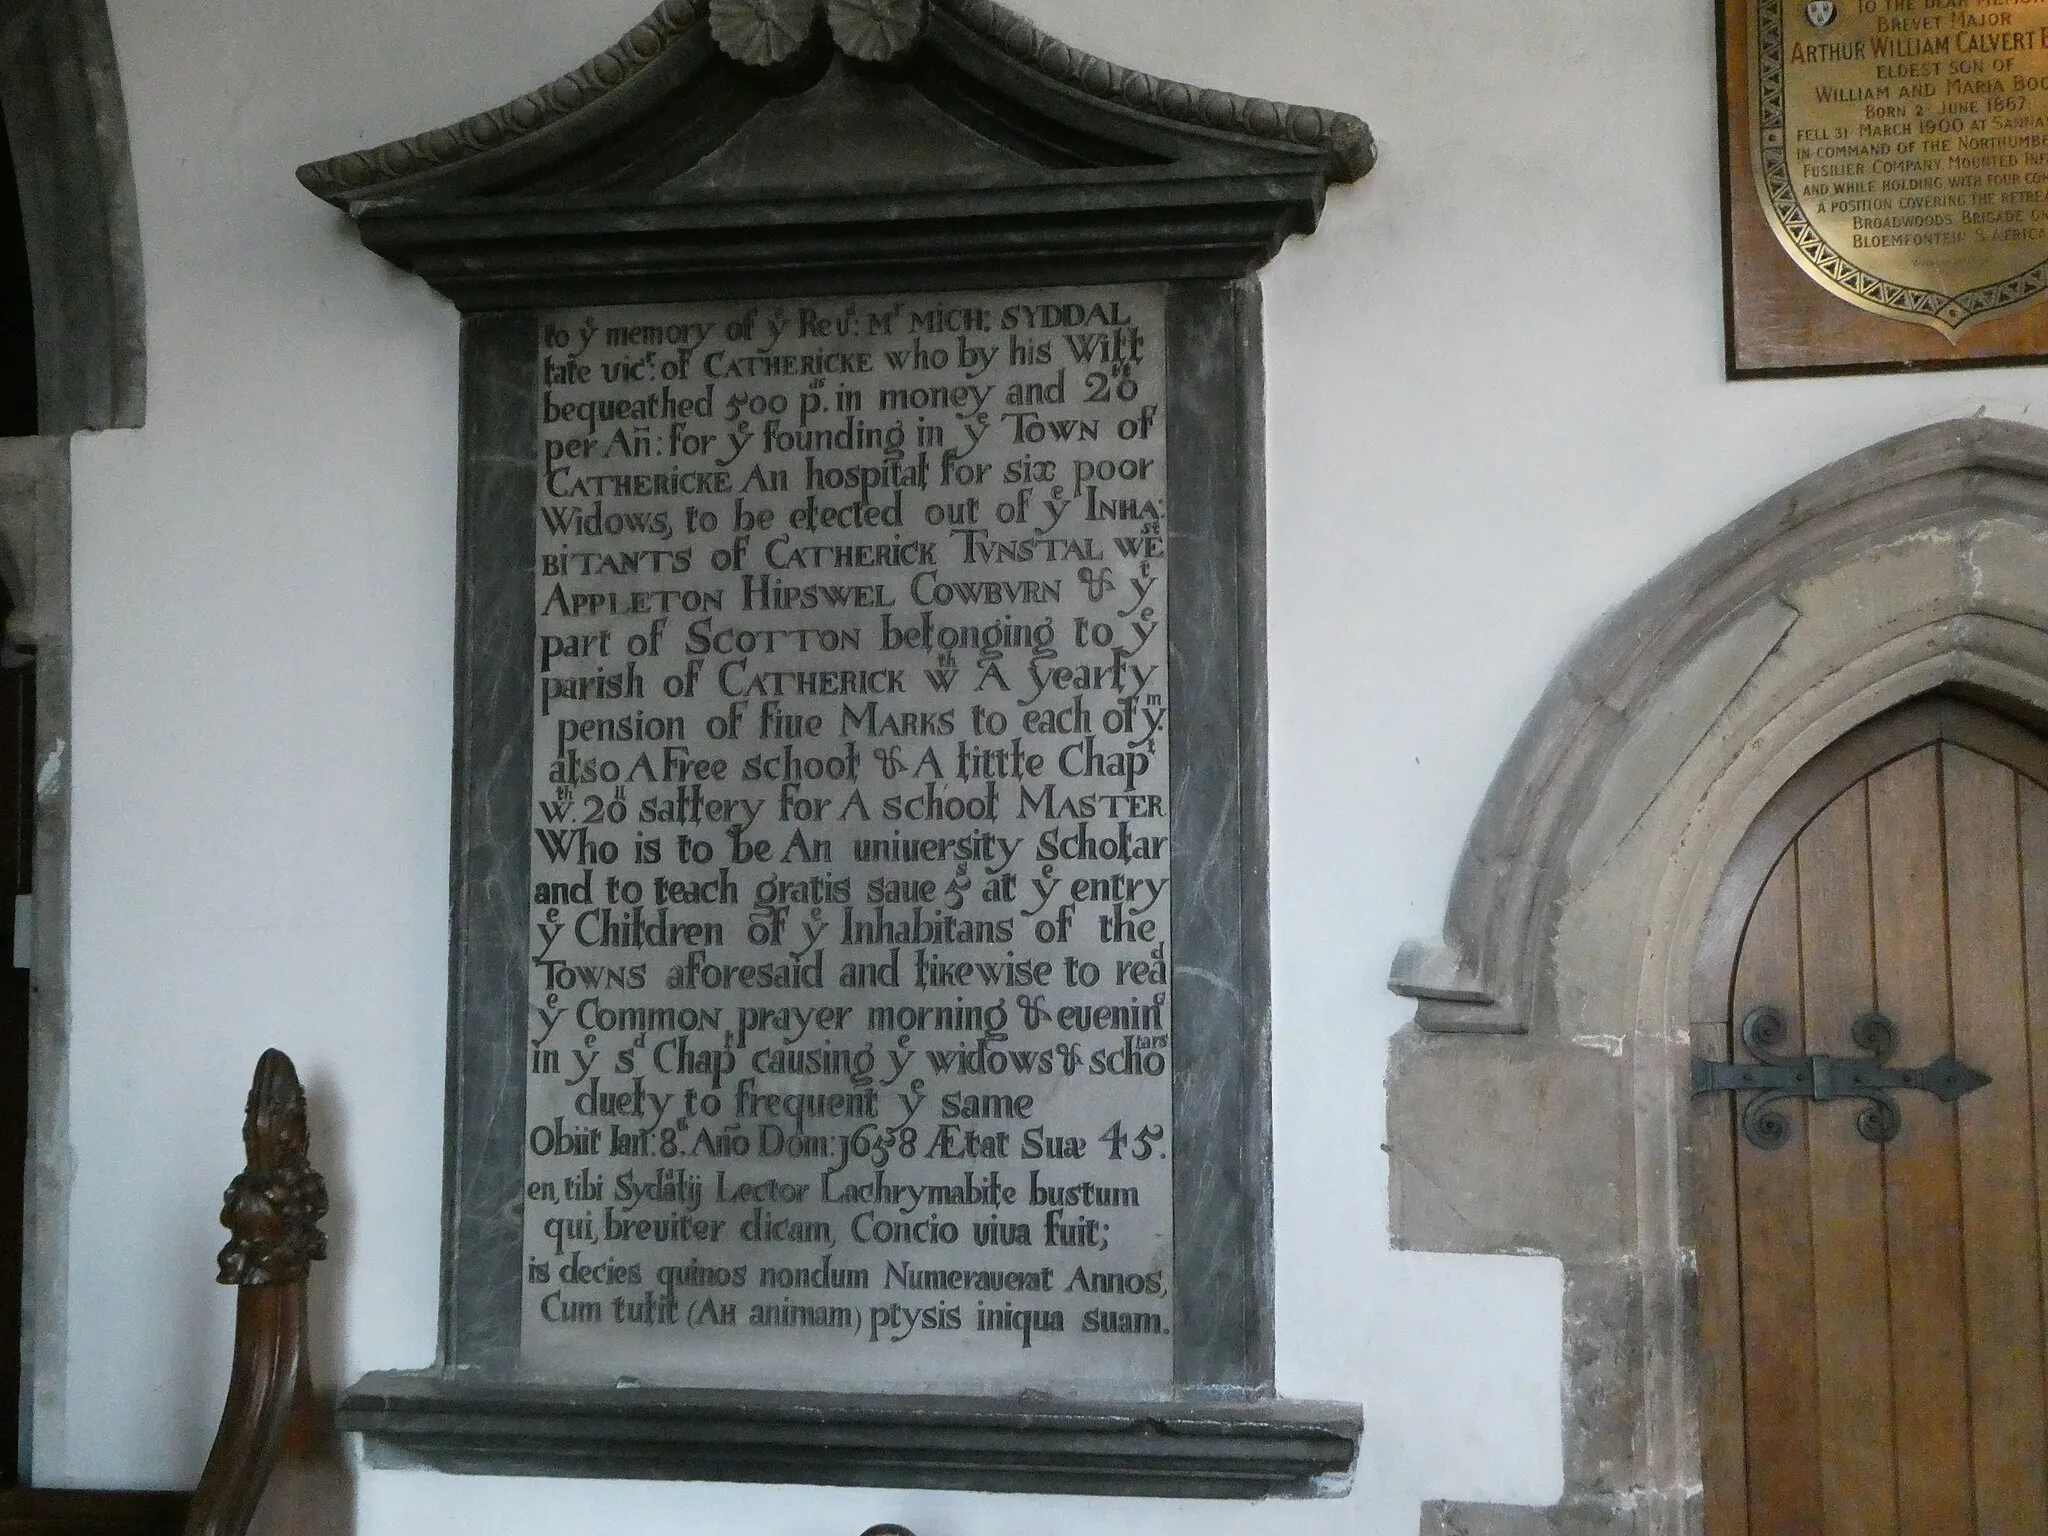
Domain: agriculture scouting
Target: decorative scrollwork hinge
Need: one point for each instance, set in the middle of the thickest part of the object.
(1774, 1078)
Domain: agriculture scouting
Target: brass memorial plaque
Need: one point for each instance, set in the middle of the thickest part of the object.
(1896, 152)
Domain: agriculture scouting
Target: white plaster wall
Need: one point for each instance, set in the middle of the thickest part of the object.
(1497, 405)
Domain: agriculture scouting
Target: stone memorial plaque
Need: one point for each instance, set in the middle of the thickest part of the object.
(851, 1049)
(1897, 155)
(858, 1007)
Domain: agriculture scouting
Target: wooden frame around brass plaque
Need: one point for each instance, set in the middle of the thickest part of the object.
(1885, 187)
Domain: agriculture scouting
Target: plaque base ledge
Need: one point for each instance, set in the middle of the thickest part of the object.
(1175, 1448)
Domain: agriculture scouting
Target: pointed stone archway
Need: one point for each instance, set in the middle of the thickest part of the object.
(60, 91)
(60, 88)
(1539, 1105)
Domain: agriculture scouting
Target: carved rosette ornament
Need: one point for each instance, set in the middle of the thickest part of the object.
(767, 33)
(876, 31)
(763, 33)
(273, 1207)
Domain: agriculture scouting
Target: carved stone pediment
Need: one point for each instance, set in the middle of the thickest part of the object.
(841, 145)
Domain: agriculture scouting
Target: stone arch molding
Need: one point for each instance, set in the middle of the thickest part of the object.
(1912, 564)
(1915, 567)
(60, 88)
(60, 91)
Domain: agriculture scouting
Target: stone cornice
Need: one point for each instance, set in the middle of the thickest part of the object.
(343, 178)
(1344, 141)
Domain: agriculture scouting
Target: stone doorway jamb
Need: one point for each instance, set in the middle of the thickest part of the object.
(1540, 1104)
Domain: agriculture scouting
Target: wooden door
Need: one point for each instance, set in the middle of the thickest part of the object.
(1873, 1312)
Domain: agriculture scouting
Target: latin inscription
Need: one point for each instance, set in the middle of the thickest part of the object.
(850, 1043)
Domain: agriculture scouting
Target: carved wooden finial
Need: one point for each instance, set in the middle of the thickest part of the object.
(273, 1207)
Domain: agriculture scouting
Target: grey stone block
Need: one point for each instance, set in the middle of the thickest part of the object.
(1517, 1148)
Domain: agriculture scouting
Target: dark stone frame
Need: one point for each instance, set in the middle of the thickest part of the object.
(1194, 193)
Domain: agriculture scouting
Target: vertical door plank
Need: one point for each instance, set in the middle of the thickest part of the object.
(2001, 1210)
(1851, 1281)
(1719, 1262)
(1930, 1356)
(1781, 1391)
(2034, 885)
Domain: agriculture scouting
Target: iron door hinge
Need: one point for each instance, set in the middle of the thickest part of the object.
(1823, 1079)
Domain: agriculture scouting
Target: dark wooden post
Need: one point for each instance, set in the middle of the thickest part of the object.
(273, 1210)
